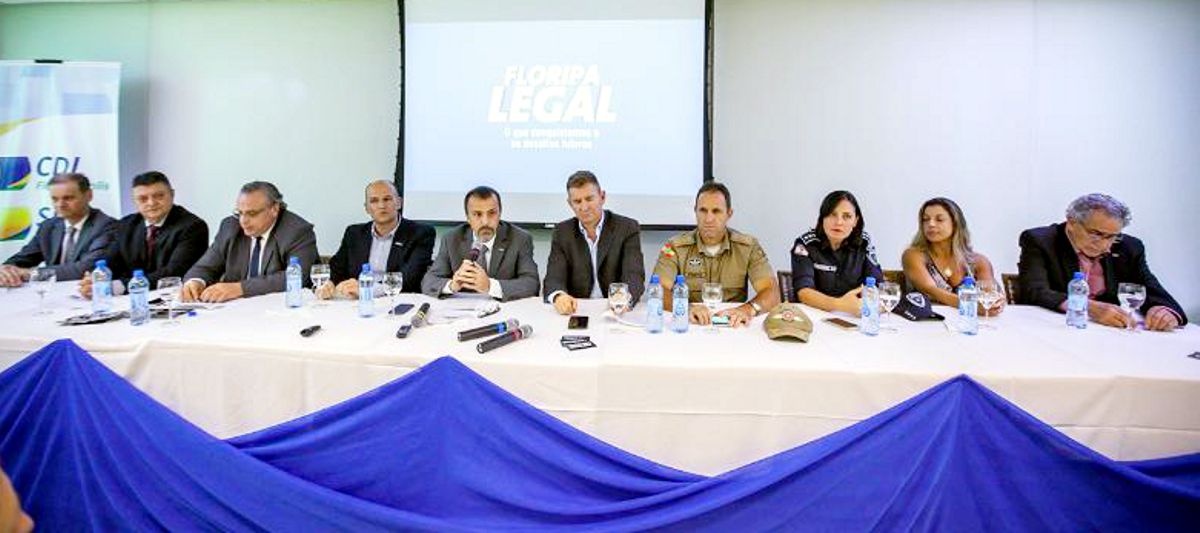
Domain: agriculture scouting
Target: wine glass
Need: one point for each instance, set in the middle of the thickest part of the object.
(1131, 296)
(712, 294)
(43, 280)
(991, 294)
(889, 296)
(319, 274)
(393, 283)
(618, 298)
(169, 289)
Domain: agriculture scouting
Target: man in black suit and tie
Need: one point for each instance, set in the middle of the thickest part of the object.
(162, 239)
(71, 242)
(250, 254)
(1091, 242)
(595, 248)
(390, 243)
(504, 269)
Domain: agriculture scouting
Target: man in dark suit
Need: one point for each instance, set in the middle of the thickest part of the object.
(71, 242)
(162, 239)
(390, 243)
(504, 270)
(250, 254)
(591, 250)
(1090, 241)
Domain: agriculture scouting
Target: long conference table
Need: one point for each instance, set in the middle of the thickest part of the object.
(703, 401)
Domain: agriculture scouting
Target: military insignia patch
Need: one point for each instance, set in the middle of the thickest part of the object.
(695, 262)
(667, 250)
(800, 250)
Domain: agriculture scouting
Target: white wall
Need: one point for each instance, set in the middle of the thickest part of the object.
(1012, 108)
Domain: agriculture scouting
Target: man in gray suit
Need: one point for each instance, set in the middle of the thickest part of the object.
(71, 242)
(504, 269)
(249, 256)
(591, 250)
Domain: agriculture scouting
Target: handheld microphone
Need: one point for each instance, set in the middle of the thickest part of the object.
(473, 255)
(507, 338)
(490, 329)
(418, 319)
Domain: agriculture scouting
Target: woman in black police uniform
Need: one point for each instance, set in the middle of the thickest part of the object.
(831, 261)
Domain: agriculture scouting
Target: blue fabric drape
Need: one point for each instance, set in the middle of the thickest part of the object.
(443, 449)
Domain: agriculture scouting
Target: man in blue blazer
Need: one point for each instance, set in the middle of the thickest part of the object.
(389, 242)
(71, 242)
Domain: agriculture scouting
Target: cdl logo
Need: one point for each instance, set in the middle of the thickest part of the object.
(50, 165)
(15, 223)
(14, 173)
(16, 170)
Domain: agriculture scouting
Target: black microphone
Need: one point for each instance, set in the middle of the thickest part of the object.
(418, 319)
(490, 329)
(473, 255)
(507, 338)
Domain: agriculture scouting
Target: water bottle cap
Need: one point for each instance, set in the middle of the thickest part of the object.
(1078, 275)
(680, 279)
(138, 273)
(101, 263)
(870, 282)
(294, 260)
(366, 268)
(654, 279)
(969, 281)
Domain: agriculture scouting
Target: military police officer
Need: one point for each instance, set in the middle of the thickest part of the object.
(831, 261)
(715, 253)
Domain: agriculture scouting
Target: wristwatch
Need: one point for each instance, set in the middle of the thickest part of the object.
(757, 308)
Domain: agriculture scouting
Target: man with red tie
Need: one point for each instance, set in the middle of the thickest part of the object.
(162, 239)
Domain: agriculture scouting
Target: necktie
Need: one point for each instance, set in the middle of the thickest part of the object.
(68, 246)
(151, 234)
(254, 253)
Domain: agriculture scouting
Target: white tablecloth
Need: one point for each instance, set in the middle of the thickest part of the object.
(701, 401)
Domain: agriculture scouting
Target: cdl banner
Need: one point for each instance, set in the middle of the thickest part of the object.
(54, 117)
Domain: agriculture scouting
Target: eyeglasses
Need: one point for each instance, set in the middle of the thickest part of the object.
(249, 214)
(1096, 235)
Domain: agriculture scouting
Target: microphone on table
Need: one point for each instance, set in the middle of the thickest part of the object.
(490, 329)
(418, 319)
(505, 339)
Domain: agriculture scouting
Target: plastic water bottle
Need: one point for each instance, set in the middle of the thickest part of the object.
(869, 325)
(295, 283)
(679, 305)
(139, 299)
(366, 292)
(101, 288)
(968, 306)
(1077, 301)
(654, 305)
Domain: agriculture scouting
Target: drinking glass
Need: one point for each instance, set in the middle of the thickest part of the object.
(393, 283)
(889, 296)
(618, 298)
(43, 280)
(991, 293)
(1131, 296)
(712, 294)
(169, 289)
(319, 274)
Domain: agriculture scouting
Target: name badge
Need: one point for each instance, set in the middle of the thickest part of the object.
(825, 268)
